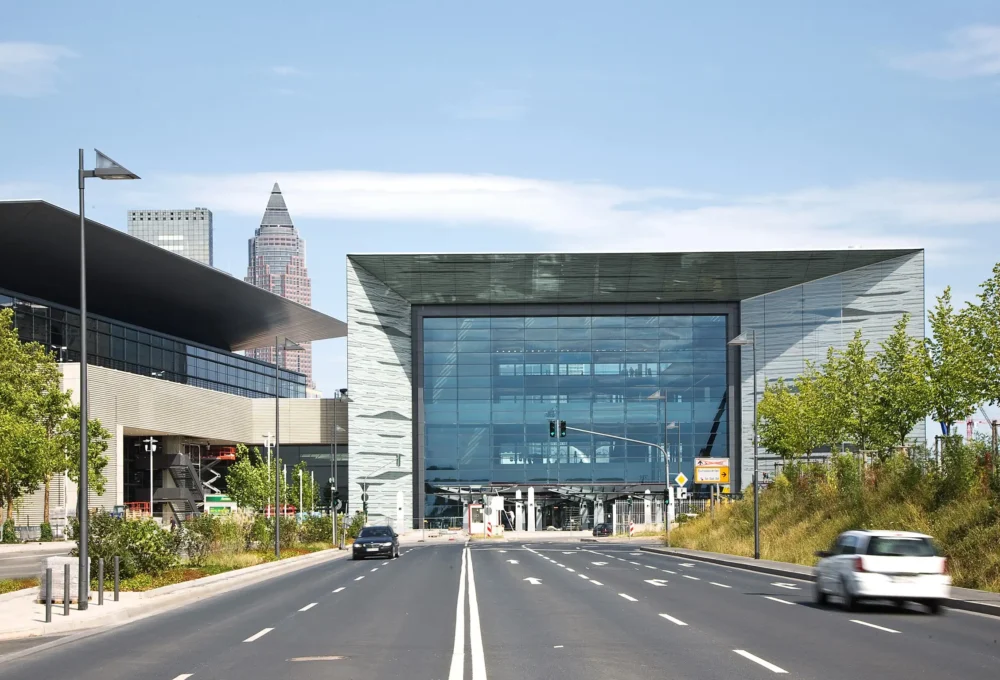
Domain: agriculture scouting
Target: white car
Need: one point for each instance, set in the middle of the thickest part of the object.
(883, 565)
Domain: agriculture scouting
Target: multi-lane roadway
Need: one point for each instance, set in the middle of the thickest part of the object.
(516, 611)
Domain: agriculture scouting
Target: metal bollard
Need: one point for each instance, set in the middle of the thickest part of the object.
(100, 581)
(116, 578)
(65, 590)
(48, 595)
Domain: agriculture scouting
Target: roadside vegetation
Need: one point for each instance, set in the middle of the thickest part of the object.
(809, 504)
(864, 402)
(151, 556)
(10, 585)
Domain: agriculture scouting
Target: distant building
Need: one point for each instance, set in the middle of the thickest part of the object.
(277, 263)
(187, 232)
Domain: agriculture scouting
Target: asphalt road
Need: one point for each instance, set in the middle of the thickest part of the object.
(27, 564)
(535, 610)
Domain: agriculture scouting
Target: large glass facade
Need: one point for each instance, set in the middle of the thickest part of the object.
(491, 385)
(136, 350)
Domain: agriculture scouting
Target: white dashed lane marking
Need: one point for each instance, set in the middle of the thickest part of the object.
(257, 636)
(628, 597)
(872, 625)
(693, 578)
(777, 599)
(756, 659)
(721, 585)
(339, 589)
(671, 619)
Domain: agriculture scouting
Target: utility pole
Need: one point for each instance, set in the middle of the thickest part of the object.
(150, 449)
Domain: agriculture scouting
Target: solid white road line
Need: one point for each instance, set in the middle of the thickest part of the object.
(183, 676)
(339, 589)
(627, 597)
(693, 578)
(475, 631)
(309, 606)
(359, 578)
(257, 636)
(671, 619)
(756, 659)
(457, 671)
(872, 625)
(777, 599)
(721, 585)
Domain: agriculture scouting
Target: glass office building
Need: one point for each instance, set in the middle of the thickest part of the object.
(491, 385)
(457, 363)
(124, 347)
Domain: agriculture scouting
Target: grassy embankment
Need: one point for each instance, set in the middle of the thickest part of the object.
(806, 508)
(9, 585)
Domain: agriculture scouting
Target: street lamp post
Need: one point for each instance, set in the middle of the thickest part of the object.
(104, 168)
(742, 340)
(287, 345)
(333, 467)
(150, 449)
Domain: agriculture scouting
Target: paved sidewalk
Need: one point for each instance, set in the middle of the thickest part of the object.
(21, 616)
(967, 599)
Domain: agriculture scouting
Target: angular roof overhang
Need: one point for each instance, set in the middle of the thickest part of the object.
(548, 278)
(136, 282)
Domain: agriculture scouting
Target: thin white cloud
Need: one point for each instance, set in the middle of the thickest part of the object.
(491, 104)
(285, 71)
(600, 216)
(30, 69)
(973, 51)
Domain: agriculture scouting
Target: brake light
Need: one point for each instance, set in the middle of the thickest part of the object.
(859, 564)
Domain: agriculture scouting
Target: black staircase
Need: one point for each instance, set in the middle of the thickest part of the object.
(187, 496)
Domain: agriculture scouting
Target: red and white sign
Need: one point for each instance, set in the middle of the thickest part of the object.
(631, 529)
(489, 528)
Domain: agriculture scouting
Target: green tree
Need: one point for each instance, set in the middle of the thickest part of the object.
(954, 366)
(983, 324)
(903, 396)
(776, 414)
(249, 481)
(851, 381)
(22, 436)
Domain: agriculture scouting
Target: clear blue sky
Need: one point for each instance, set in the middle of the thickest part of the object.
(522, 126)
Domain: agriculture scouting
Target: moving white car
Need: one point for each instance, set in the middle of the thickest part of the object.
(883, 565)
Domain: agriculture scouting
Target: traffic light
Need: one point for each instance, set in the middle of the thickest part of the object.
(552, 429)
(562, 428)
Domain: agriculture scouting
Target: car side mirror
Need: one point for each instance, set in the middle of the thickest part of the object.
(823, 553)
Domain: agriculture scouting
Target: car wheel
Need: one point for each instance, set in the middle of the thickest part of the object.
(355, 557)
(936, 607)
(850, 601)
(821, 597)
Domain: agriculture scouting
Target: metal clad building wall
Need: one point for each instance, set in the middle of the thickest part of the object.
(303, 421)
(379, 378)
(800, 323)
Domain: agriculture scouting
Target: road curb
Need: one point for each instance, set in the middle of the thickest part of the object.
(723, 560)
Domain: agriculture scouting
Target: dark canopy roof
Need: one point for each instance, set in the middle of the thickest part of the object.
(139, 283)
(607, 277)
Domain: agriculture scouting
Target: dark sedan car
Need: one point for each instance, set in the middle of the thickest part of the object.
(376, 542)
(603, 530)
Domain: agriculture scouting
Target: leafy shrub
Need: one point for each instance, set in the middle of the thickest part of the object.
(316, 530)
(356, 525)
(7, 534)
(46, 533)
(261, 533)
(141, 545)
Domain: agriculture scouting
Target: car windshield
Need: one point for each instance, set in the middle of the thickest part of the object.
(900, 547)
(375, 532)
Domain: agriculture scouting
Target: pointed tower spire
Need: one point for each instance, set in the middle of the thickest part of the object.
(276, 214)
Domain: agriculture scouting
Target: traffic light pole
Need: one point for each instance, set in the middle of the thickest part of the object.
(666, 467)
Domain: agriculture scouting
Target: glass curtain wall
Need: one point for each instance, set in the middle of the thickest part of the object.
(135, 350)
(491, 384)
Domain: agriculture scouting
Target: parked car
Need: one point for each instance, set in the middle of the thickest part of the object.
(376, 542)
(603, 530)
(883, 565)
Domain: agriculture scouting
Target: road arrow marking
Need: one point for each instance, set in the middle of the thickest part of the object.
(789, 586)
(658, 582)
(533, 581)
(513, 561)
(686, 564)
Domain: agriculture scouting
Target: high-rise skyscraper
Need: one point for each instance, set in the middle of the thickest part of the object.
(277, 262)
(187, 232)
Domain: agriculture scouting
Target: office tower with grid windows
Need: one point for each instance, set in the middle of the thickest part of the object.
(187, 232)
(277, 262)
